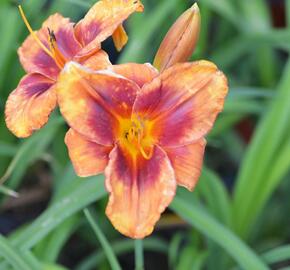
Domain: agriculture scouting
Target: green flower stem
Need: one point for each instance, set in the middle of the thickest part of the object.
(103, 241)
(139, 258)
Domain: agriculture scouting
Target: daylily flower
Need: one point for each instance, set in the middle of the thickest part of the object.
(45, 52)
(145, 130)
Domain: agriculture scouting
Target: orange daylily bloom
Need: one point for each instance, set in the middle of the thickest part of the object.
(145, 130)
(45, 52)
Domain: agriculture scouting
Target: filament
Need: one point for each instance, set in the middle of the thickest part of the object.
(33, 33)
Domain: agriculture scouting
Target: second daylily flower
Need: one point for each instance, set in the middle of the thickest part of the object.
(45, 52)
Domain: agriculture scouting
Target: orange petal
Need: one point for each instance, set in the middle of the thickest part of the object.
(140, 190)
(35, 60)
(91, 102)
(139, 73)
(183, 102)
(87, 157)
(30, 104)
(187, 162)
(120, 38)
(102, 20)
(97, 61)
(180, 41)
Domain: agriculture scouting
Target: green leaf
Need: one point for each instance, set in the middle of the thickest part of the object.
(121, 247)
(244, 106)
(50, 247)
(141, 37)
(29, 151)
(87, 192)
(214, 192)
(230, 51)
(191, 258)
(277, 255)
(186, 258)
(207, 225)
(276, 38)
(226, 9)
(53, 267)
(257, 19)
(288, 12)
(12, 256)
(224, 123)
(199, 261)
(79, 3)
(103, 241)
(256, 14)
(8, 191)
(31, 259)
(174, 249)
(7, 149)
(250, 93)
(256, 180)
(9, 31)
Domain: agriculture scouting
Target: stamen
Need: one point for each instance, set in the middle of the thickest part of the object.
(134, 136)
(57, 55)
(32, 32)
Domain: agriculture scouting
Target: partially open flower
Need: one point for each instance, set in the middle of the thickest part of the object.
(144, 129)
(45, 52)
(180, 41)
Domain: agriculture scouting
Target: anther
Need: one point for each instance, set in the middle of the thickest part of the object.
(51, 34)
(126, 135)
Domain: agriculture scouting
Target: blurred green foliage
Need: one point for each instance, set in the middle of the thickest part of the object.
(241, 225)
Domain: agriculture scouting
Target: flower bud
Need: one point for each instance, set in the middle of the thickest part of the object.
(179, 43)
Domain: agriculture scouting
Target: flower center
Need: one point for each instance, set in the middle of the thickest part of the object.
(136, 138)
(53, 50)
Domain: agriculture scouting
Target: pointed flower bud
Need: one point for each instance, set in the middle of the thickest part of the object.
(179, 43)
